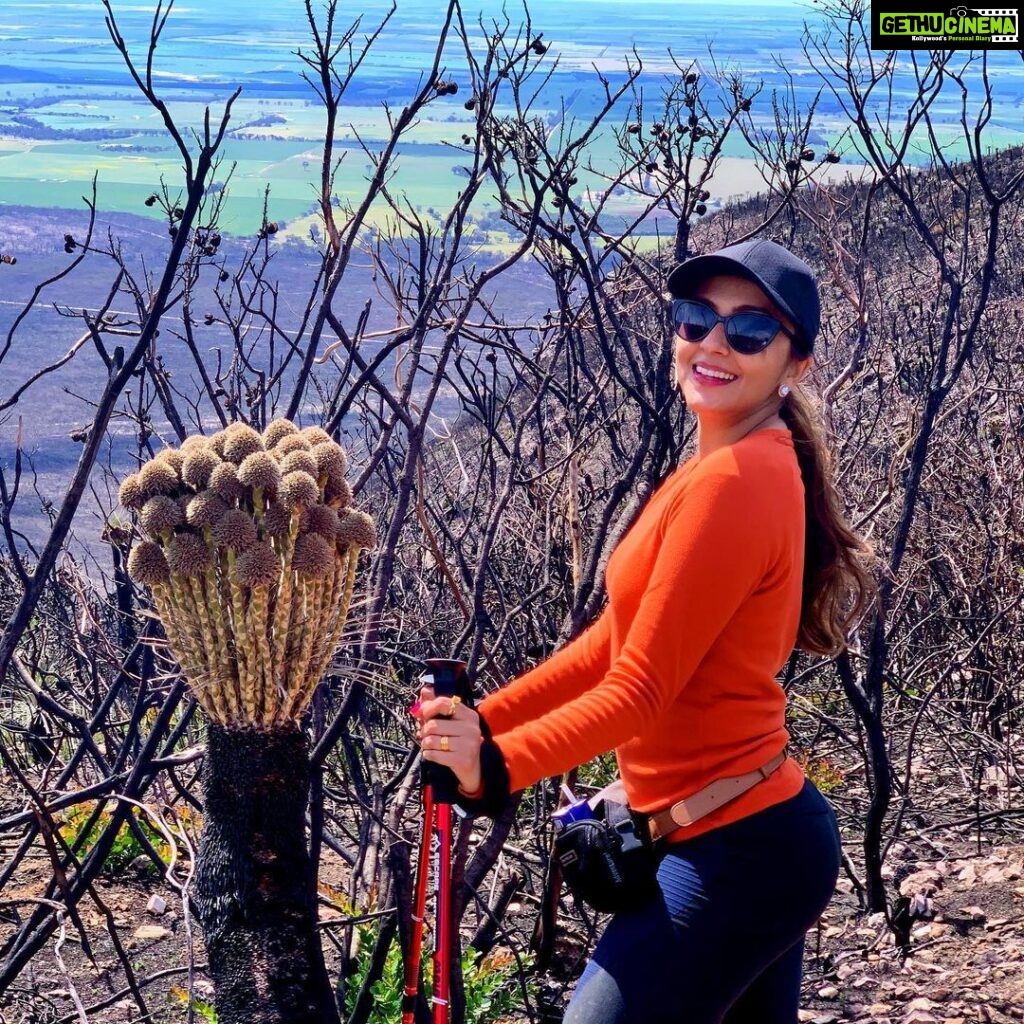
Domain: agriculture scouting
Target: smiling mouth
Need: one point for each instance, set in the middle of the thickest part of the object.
(719, 376)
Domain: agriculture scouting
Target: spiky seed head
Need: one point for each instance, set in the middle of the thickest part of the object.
(199, 465)
(157, 477)
(224, 481)
(193, 443)
(319, 519)
(277, 519)
(291, 443)
(260, 471)
(315, 435)
(216, 443)
(235, 529)
(173, 457)
(313, 557)
(188, 555)
(130, 493)
(160, 513)
(258, 566)
(205, 509)
(299, 490)
(355, 527)
(299, 462)
(330, 460)
(147, 564)
(276, 430)
(240, 440)
(338, 495)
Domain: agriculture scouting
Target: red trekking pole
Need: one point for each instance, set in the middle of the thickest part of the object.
(449, 679)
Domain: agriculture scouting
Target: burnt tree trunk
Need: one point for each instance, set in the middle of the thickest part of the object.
(252, 895)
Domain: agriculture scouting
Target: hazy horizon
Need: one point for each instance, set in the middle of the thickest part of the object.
(69, 110)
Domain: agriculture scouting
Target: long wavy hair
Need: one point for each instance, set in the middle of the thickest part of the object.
(838, 586)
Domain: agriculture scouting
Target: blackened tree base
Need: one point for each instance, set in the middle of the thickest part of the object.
(252, 892)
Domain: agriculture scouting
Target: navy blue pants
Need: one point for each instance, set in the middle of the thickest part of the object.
(724, 943)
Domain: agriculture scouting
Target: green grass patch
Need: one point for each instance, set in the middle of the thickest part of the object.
(75, 829)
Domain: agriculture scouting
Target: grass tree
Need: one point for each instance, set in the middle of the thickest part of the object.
(250, 552)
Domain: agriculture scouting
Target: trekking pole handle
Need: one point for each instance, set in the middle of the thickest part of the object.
(449, 677)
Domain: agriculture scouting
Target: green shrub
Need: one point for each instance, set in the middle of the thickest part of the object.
(599, 772)
(75, 831)
(827, 776)
(493, 987)
(203, 1010)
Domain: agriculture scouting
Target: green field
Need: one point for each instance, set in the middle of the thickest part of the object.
(132, 155)
(68, 110)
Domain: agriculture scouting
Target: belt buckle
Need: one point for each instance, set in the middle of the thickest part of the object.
(679, 811)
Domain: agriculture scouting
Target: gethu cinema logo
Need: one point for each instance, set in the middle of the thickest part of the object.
(997, 24)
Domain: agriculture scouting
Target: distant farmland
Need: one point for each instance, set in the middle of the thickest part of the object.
(69, 111)
(68, 108)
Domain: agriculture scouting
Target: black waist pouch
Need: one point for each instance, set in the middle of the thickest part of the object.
(608, 861)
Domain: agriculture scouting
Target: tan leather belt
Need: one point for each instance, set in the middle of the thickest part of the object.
(710, 798)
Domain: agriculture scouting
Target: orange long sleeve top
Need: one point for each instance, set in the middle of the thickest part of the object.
(678, 672)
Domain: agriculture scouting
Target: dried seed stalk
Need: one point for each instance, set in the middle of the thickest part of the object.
(283, 604)
(252, 643)
(346, 577)
(212, 672)
(301, 665)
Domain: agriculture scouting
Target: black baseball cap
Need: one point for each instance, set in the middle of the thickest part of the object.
(785, 278)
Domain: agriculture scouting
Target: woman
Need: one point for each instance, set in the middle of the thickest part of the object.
(739, 555)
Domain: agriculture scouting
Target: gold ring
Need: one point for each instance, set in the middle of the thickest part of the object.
(444, 744)
(456, 700)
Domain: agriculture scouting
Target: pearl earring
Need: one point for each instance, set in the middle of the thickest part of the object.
(783, 390)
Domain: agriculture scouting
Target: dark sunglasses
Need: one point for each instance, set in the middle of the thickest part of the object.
(748, 332)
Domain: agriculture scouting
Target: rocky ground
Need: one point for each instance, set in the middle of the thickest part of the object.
(964, 964)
